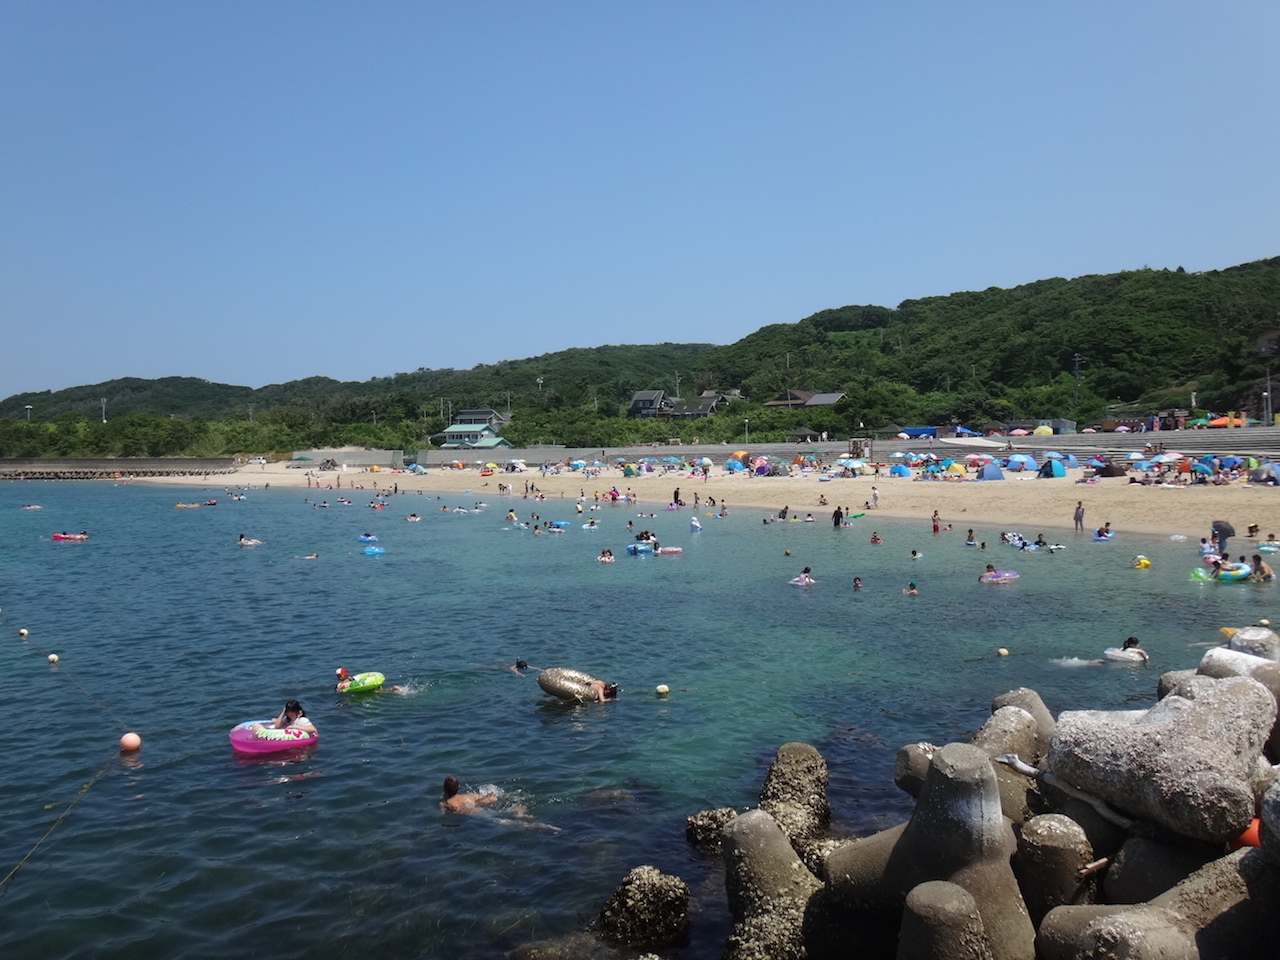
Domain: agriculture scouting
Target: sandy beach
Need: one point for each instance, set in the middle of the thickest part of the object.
(1028, 505)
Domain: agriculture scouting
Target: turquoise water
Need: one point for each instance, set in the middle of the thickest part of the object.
(164, 626)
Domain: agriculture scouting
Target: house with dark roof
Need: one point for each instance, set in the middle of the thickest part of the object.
(793, 399)
(649, 403)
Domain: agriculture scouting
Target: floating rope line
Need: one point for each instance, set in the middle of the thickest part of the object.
(54, 826)
(84, 789)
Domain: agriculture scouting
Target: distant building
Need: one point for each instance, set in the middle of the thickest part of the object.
(649, 403)
(791, 399)
(471, 435)
(490, 417)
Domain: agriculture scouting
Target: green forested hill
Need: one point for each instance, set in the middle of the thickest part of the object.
(1052, 348)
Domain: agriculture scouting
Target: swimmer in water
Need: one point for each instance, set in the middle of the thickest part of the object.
(804, 579)
(911, 590)
(857, 583)
(875, 538)
(1131, 646)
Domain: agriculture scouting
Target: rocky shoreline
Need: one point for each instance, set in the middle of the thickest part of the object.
(1138, 834)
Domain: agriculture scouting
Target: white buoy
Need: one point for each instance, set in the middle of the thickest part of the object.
(130, 742)
(22, 632)
(53, 658)
(1002, 652)
(662, 690)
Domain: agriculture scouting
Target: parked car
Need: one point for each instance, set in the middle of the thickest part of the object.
(257, 461)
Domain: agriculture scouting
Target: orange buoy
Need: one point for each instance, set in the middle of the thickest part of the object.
(1248, 837)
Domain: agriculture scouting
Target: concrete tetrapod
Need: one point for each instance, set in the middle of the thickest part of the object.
(767, 888)
(957, 833)
(1187, 764)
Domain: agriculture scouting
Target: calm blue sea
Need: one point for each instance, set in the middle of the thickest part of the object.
(164, 626)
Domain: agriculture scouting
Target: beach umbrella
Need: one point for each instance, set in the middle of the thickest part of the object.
(1023, 458)
(1123, 429)
(1095, 462)
(1054, 455)
(903, 436)
(1201, 468)
(1230, 462)
(1043, 431)
(1198, 422)
(1142, 465)
(619, 459)
(897, 453)
(704, 461)
(1222, 528)
(1018, 433)
(1088, 430)
(1134, 456)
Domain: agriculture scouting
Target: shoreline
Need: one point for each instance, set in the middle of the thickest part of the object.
(1031, 505)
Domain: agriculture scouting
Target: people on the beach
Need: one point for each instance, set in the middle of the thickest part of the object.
(1078, 516)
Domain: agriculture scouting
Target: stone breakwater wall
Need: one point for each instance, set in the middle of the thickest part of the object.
(113, 469)
(1137, 834)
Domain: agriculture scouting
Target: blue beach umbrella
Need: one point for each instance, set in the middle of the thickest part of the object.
(1054, 455)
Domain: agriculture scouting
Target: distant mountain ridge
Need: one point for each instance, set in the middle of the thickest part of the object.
(1067, 345)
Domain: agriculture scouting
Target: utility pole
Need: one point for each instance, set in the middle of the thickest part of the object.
(1076, 358)
(677, 384)
(104, 409)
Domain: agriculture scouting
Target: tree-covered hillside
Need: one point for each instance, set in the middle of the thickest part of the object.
(1054, 348)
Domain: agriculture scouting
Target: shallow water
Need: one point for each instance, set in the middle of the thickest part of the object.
(164, 626)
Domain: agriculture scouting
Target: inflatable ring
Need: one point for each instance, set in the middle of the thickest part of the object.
(360, 683)
(1000, 576)
(268, 740)
(566, 684)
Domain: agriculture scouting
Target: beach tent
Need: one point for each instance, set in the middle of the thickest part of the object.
(990, 471)
(1112, 470)
(898, 470)
(1069, 460)
(1263, 473)
(733, 465)
(957, 468)
(1052, 468)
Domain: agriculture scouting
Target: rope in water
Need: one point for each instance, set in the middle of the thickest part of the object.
(85, 787)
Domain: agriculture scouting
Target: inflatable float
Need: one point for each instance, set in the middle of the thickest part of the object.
(69, 536)
(1129, 656)
(566, 684)
(801, 581)
(637, 548)
(367, 538)
(360, 683)
(268, 740)
(1227, 572)
(560, 524)
(1104, 539)
(374, 551)
(999, 576)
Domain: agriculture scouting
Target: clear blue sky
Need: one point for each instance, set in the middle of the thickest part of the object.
(258, 192)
